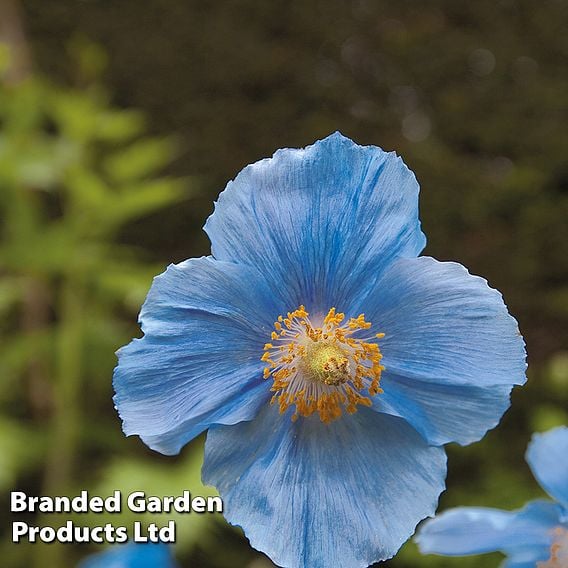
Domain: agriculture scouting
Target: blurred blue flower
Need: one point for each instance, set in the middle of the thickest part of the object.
(132, 555)
(328, 362)
(536, 535)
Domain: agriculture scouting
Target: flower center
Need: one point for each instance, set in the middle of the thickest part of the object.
(322, 367)
(326, 362)
(558, 550)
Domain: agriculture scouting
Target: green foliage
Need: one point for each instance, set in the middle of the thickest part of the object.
(74, 171)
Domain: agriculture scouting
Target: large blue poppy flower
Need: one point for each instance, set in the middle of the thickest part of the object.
(132, 555)
(535, 536)
(329, 362)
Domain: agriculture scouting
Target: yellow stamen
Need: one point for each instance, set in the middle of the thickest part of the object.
(322, 369)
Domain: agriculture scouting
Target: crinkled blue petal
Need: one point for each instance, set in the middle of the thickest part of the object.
(451, 351)
(205, 325)
(547, 456)
(443, 413)
(311, 494)
(525, 535)
(320, 223)
(132, 555)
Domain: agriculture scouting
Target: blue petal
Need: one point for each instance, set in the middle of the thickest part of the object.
(319, 222)
(310, 494)
(443, 413)
(132, 555)
(452, 352)
(205, 325)
(532, 533)
(518, 563)
(524, 535)
(464, 531)
(547, 455)
(533, 524)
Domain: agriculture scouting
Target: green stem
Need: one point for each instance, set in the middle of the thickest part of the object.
(65, 428)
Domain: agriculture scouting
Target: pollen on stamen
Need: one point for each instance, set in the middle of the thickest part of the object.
(558, 550)
(325, 369)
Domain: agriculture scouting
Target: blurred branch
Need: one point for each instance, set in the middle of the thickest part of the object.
(35, 311)
(12, 34)
(59, 467)
(35, 316)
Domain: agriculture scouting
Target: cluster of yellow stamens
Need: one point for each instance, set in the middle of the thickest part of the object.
(558, 550)
(322, 368)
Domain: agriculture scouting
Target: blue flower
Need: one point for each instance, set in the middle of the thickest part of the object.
(132, 555)
(535, 536)
(327, 360)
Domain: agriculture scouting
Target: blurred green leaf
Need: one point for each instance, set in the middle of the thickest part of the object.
(558, 373)
(144, 198)
(10, 293)
(17, 352)
(119, 126)
(546, 416)
(126, 281)
(141, 159)
(21, 449)
(91, 59)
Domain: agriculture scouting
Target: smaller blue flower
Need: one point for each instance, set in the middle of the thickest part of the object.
(132, 555)
(535, 536)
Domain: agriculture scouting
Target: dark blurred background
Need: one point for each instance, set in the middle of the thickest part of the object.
(120, 122)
